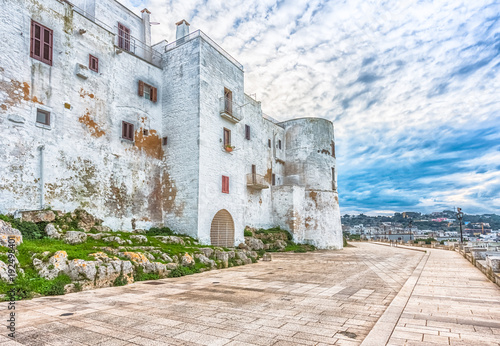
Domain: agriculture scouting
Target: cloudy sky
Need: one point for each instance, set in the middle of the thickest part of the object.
(412, 87)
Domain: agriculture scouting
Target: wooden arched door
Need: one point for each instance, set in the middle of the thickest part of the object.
(222, 229)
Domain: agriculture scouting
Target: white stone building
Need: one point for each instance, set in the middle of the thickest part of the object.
(93, 116)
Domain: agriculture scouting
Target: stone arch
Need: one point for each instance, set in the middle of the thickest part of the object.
(222, 229)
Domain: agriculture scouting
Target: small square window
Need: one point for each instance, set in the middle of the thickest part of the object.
(42, 117)
(93, 63)
(247, 132)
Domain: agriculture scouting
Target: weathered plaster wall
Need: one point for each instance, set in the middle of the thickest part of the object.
(181, 124)
(86, 163)
(217, 73)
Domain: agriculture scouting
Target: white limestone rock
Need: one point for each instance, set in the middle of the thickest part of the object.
(75, 237)
(6, 231)
(205, 260)
(254, 243)
(170, 239)
(53, 231)
(187, 260)
(79, 269)
(38, 216)
(51, 269)
(208, 252)
(139, 238)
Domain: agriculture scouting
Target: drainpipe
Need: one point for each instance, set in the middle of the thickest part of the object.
(42, 192)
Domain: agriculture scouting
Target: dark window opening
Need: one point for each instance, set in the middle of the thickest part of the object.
(228, 101)
(269, 143)
(247, 132)
(93, 63)
(333, 149)
(145, 132)
(42, 117)
(227, 137)
(273, 179)
(41, 43)
(279, 144)
(334, 184)
(164, 140)
(123, 37)
(225, 184)
(127, 131)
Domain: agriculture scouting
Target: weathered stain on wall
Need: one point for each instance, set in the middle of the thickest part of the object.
(94, 129)
(16, 92)
(149, 143)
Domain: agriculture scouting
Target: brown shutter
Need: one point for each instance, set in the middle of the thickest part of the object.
(247, 131)
(141, 88)
(154, 93)
(49, 32)
(124, 129)
(32, 36)
(131, 132)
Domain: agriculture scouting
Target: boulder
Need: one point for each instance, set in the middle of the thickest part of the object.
(75, 237)
(280, 244)
(172, 266)
(8, 232)
(149, 256)
(205, 260)
(163, 255)
(117, 240)
(170, 239)
(53, 231)
(254, 243)
(103, 229)
(223, 257)
(4, 272)
(135, 257)
(51, 269)
(187, 260)
(252, 254)
(241, 255)
(96, 236)
(79, 269)
(242, 246)
(86, 220)
(38, 216)
(231, 254)
(156, 267)
(139, 238)
(267, 257)
(208, 252)
(139, 231)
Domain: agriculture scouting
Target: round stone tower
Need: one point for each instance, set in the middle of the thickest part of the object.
(310, 174)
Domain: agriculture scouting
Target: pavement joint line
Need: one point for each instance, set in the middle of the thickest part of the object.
(385, 325)
(401, 247)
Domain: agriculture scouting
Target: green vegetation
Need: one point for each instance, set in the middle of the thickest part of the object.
(427, 240)
(247, 233)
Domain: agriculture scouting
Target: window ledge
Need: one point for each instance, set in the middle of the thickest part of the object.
(43, 126)
(124, 140)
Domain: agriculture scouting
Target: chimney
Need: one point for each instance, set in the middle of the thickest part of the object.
(147, 33)
(182, 29)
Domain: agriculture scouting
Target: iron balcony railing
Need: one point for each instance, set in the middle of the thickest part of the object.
(199, 33)
(257, 181)
(125, 42)
(229, 110)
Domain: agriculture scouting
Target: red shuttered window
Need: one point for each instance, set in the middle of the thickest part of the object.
(127, 131)
(123, 37)
(41, 43)
(225, 184)
(93, 63)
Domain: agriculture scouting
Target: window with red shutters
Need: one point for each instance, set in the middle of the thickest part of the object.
(41, 43)
(123, 37)
(127, 131)
(227, 137)
(93, 63)
(225, 184)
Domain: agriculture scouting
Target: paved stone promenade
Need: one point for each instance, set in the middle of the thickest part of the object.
(368, 292)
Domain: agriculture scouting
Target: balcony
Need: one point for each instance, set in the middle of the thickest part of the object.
(257, 181)
(229, 110)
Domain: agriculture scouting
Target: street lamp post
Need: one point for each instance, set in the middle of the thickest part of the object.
(460, 216)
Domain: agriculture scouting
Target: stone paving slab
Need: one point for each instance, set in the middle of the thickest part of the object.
(321, 298)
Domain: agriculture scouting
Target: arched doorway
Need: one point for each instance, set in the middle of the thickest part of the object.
(222, 229)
